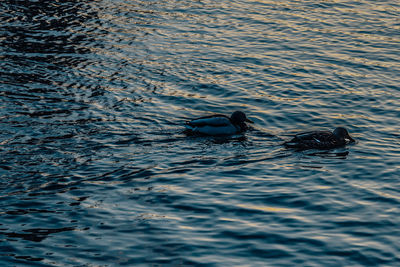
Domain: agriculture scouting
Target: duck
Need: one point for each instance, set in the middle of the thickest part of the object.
(218, 124)
(320, 139)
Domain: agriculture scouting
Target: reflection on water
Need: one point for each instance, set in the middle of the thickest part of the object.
(95, 170)
(35, 235)
(42, 37)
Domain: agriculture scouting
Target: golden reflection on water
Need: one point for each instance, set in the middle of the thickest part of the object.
(370, 187)
(246, 222)
(266, 208)
(348, 116)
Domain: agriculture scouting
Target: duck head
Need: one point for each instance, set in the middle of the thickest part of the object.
(238, 117)
(341, 134)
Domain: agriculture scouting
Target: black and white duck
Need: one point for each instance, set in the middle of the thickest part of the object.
(218, 124)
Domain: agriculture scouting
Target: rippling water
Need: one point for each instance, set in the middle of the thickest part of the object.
(96, 172)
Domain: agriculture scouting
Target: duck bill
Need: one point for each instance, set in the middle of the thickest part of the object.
(247, 120)
(351, 139)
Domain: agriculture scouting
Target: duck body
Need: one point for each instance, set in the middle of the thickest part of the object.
(320, 139)
(218, 124)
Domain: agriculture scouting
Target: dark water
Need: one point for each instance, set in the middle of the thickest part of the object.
(94, 168)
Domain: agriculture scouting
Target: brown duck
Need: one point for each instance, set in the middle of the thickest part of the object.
(320, 139)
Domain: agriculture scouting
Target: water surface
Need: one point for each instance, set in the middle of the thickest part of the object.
(95, 170)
